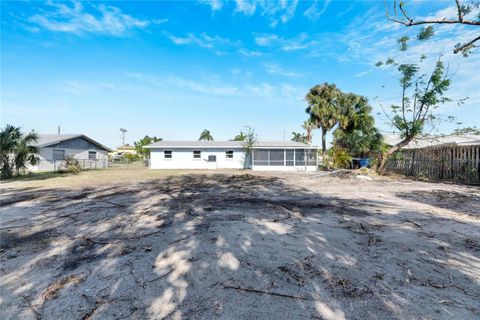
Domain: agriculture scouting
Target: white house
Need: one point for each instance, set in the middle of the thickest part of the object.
(55, 148)
(287, 155)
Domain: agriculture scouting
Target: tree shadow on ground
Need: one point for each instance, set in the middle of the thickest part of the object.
(465, 201)
(228, 247)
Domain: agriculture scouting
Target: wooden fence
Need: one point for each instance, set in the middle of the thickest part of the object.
(456, 163)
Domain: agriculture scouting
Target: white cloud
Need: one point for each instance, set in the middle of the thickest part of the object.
(204, 40)
(362, 74)
(275, 11)
(314, 12)
(277, 70)
(101, 19)
(266, 40)
(251, 53)
(219, 87)
(302, 41)
(215, 5)
(245, 6)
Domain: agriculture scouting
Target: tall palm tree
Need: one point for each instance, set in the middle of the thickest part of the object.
(16, 150)
(308, 125)
(205, 136)
(322, 107)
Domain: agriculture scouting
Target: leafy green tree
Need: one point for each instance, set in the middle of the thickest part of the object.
(248, 144)
(356, 132)
(144, 142)
(205, 136)
(239, 137)
(421, 96)
(16, 151)
(322, 108)
(299, 137)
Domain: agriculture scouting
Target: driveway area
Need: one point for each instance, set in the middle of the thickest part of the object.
(147, 244)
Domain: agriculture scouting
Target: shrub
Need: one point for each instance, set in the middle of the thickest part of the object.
(71, 165)
(341, 159)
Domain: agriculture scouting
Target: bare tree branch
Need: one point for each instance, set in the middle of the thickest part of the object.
(466, 45)
(408, 21)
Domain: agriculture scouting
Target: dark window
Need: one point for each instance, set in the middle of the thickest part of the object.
(290, 158)
(197, 154)
(212, 158)
(58, 154)
(276, 157)
(229, 154)
(92, 155)
(299, 157)
(260, 157)
(167, 154)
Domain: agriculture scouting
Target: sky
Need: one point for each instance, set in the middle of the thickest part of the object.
(173, 68)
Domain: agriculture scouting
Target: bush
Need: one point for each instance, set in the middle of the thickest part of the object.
(131, 157)
(341, 159)
(71, 165)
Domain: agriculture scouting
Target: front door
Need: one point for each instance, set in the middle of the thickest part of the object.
(212, 161)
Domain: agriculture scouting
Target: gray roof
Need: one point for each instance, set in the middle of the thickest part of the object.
(430, 141)
(226, 144)
(45, 140)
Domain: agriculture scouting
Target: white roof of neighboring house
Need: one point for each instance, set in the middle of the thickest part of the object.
(45, 140)
(228, 144)
(430, 141)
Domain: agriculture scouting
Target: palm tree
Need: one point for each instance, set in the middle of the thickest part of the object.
(298, 137)
(356, 131)
(205, 136)
(16, 150)
(308, 125)
(25, 153)
(323, 110)
(239, 137)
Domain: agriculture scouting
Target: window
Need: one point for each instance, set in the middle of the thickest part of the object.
(92, 155)
(311, 157)
(260, 157)
(290, 157)
(58, 154)
(197, 154)
(300, 157)
(276, 157)
(167, 154)
(229, 154)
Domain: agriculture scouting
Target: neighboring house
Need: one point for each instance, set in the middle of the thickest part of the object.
(122, 151)
(287, 155)
(55, 148)
(435, 141)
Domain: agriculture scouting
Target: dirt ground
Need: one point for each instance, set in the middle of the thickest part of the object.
(147, 244)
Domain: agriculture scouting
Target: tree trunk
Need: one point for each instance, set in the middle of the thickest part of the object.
(391, 151)
(324, 144)
(324, 147)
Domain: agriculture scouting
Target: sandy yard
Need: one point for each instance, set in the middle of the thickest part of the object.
(143, 244)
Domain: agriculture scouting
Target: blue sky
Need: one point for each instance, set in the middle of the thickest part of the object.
(172, 69)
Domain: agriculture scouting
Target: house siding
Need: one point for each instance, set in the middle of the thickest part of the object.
(47, 163)
(182, 158)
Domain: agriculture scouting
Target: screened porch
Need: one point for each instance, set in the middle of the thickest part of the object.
(284, 157)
